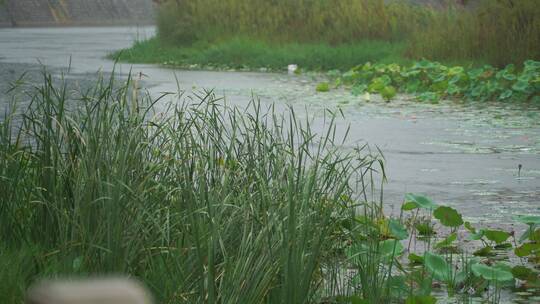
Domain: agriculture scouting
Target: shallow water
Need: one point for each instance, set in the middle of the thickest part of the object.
(462, 155)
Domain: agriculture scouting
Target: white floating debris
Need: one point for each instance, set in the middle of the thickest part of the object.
(292, 68)
(367, 97)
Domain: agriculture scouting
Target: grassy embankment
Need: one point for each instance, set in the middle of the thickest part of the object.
(211, 204)
(249, 54)
(273, 34)
(325, 35)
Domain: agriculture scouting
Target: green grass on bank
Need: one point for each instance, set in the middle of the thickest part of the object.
(253, 54)
(428, 81)
(498, 32)
(326, 35)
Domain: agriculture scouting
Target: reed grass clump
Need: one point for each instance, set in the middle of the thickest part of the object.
(496, 32)
(281, 21)
(204, 202)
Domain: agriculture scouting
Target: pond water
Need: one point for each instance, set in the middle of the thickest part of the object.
(462, 155)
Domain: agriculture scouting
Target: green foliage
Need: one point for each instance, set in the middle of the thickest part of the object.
(414, 201)
(16, 268)
(421, 300)
(438, 266)
(447, 242)
(469, 227)
(469, 272)
(530, 247)
(486, 251)
(492, 31)
(499, 272)
(415, 259)
(530, 251)
(390, 248)
(253, 54)
(527, 249)
(204, 204)
(495, 32)
(374, 256)
(432, 81)
(210, 203)
(425, 229)
(497, 236)
(398, 230)
(523, 273)
(323, 87)
(388, 93)
(282, 20)
(448, 216)
(262, 34)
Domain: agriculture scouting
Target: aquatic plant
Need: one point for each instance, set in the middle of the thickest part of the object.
(323, 87)
(377, 246)
(432, 81)
(464, 273)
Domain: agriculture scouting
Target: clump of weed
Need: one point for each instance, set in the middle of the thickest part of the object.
(203, 202)
(323, 87)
